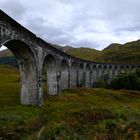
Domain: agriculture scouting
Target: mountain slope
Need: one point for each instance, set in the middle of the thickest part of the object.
(5, 53)
(116, 53)
(128, 53)
(84, 53)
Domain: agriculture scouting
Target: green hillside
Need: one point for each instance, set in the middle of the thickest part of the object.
(84, 53)
(127, 53)
(117, 53)
(5, 53)
(77, 114)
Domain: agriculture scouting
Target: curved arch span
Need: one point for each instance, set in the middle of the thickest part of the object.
(64, 74)
(87, 76)
(94, 75)
(51, 75)
(28, 71)
(81, 79)
(74, 75)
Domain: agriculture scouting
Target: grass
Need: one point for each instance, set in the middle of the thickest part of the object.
(77, 114)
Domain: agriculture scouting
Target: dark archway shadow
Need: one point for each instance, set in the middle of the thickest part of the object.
(74, 75)
(81, 78)
(28, 72)
(87, 76)
(64, 75)
(50, 76)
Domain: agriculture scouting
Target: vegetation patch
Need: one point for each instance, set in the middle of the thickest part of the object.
(77, 114)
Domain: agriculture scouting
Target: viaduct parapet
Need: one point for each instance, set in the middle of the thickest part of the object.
(63, 71)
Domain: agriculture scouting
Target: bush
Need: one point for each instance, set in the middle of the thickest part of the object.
(127, 81)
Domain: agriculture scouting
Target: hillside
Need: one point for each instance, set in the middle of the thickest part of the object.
(84, 53)
(128, 53)
(5, 53)
(117, 53)
(77, 114)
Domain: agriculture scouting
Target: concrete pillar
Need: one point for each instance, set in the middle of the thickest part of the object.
(99, 77)
(53, 76)
(58, 83)
(116, 71)
(122, 69)
(105, 74)
(81, 75)
(110, 73)
(29, 85)
(74, 75)
(94, 75)
(87, 76)
(127, 69)
(30, 80)
(64, 75)
(40, 87)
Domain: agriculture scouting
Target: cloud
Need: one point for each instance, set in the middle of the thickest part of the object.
(14, 8)
(85, 23)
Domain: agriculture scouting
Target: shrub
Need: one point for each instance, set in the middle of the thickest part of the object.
(127, 81)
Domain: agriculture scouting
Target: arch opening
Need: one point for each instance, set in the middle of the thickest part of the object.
(28, 71)
(127, 69)
(74, 75)
(116, 71)
(64, 74)
(99, 75)
(94, 75)
(50, 67)
(81, 79)
(110, 77)
(122, 70)
(105, 75)
(87, 76)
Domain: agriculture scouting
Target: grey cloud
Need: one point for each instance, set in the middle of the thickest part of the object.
(80, 23)
(14, 8)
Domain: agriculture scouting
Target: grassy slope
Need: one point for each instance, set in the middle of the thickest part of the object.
(76, 114)
(84, 53)
(5, 53)
(127, 53)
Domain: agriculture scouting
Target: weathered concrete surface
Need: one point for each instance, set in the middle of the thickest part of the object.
(62, 70)
(64, 74)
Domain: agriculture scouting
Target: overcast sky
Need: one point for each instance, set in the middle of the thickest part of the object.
(79, 23)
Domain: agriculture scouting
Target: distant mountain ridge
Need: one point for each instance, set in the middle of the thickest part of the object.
(6, 53)
(116, 53)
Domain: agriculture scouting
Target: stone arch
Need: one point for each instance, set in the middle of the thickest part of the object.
(116, 71)
(81, 79)
(51, 74)
(29, 92)
(74, 75)
(122, 68)
(138, 67)
(64, 74)
(105, 74)
(127, 69)
(99, 73)
(94, 75)
(133, 68)
(110, 72)
(87, 76)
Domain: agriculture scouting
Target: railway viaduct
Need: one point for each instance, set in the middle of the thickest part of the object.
(62, 70)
